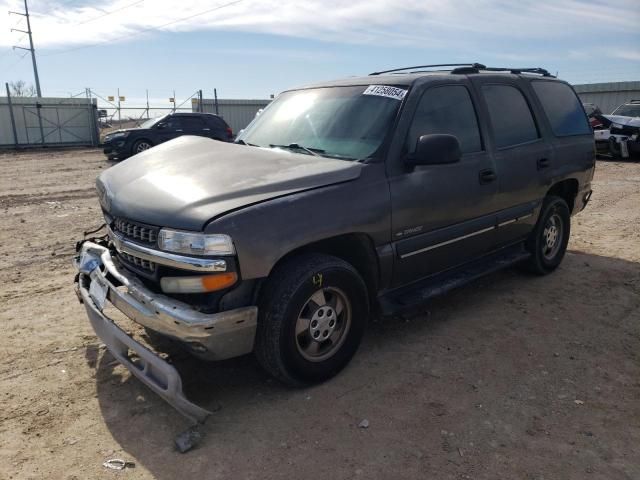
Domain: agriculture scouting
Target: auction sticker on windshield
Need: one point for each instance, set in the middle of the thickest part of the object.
(385, 91)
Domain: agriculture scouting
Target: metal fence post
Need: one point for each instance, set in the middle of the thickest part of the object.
(39, 109)
(93, 122)
(13, 120)
(215, 100)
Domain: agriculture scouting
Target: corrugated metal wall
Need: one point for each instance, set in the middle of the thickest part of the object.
(608, 96)
(48, 121)
(237, 113)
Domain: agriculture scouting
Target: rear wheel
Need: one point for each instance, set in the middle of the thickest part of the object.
(548, 241)
(141, 146)
(615, 149)
(313, 314)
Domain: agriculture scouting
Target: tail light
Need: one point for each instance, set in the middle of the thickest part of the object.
(229, 132)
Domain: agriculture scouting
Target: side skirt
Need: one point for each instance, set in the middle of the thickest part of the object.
(404, 299)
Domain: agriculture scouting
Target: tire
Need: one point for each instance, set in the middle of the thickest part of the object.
(337, 318)
(614, 149)
(141, 146)
(548, 241)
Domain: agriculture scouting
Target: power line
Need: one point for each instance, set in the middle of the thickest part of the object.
(17, 61)
(31, 49)
(144, 30)
(111, 12)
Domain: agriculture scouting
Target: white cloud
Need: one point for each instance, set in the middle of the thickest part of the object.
(425, 23)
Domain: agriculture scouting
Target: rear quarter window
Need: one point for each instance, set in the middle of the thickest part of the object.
(562, 107)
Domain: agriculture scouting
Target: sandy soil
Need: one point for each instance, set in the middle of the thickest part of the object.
(511, 377)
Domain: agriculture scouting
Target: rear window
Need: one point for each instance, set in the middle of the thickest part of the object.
(511, 117)
(563, 109)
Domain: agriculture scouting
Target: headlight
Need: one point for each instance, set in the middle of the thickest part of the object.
(113, 136)
(195, 243)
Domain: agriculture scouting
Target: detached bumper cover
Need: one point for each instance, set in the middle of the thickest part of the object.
(212, 336)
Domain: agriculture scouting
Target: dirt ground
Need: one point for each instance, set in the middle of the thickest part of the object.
(511, 377)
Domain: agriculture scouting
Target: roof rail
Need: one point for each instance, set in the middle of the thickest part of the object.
(466, 68)
(473, 65)
(538, 70)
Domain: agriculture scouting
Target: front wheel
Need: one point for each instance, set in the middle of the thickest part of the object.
(141, 146)
(548, 241)
(312, 317)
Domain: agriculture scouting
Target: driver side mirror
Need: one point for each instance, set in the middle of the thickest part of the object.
(435, 149)
(161, 125)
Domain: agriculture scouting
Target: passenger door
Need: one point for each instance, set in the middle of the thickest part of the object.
(523, 157)
(171, 127)
(442, 214)
(195, 125)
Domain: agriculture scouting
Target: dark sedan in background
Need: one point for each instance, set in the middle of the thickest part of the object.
(127, 142)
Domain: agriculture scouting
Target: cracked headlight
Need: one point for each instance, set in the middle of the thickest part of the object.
(195, 243)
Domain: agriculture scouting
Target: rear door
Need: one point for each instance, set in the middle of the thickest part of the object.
(442, 215)
(195, 125)
(523, 157)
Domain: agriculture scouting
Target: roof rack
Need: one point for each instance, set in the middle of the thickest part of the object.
(467, 68)
(538, 70)
(394, 70)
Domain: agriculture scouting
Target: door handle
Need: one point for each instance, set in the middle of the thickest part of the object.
(487, 176)
(543, 163)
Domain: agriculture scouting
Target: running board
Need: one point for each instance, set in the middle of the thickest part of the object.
(406, 298)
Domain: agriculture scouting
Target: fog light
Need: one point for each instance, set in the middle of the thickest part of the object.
(206, 283)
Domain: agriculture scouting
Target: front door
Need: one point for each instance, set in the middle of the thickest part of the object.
(442, 215)
(172, 127)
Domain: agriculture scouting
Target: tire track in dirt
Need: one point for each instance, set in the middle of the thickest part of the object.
(17, 200)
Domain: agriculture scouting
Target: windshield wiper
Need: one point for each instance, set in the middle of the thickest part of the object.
(242, 142)
(296, 146)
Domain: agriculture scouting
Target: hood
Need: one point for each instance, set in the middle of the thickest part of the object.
(622, 120)
(126, 130)
(186, 182)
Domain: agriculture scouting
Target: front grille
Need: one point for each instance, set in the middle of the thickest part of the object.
(136, 231)
(138, 262)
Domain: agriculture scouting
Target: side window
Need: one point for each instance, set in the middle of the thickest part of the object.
(446, 109)
(562, 108)
(175, 123)
(217, 122)
(510, 115)
(192, 123)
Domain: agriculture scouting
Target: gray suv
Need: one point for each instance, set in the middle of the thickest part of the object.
(343, 200)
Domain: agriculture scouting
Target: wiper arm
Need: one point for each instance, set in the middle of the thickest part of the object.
(242, 142)
(296, 146)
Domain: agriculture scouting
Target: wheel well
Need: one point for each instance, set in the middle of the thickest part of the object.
(567, 190)
(140, 140)
(354, 248)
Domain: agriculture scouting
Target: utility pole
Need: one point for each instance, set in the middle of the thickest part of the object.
(31, 49)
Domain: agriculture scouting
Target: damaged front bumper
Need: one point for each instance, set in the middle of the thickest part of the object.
(210, 336)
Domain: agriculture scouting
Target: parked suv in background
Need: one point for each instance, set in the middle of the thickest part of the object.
(342, 200)
(124, 143)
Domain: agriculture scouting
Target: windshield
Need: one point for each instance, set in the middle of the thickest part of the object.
(340, 122)
(151, 122)
(628, 110)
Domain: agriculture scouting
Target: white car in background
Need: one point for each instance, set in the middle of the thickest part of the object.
(621, 130)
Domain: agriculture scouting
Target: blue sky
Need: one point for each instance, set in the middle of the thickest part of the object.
(252, 48)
